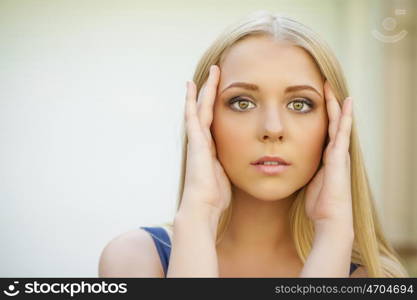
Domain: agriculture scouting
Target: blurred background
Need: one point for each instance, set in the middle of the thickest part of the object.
(91, 103)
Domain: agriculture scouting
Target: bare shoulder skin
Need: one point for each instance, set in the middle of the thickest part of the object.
(131, 254)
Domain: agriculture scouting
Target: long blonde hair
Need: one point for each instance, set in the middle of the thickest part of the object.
(370, 248)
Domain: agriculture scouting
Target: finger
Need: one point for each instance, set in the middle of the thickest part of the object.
(313, 190)
(191, 118)
(345, 127)
(199, 96)
(207, 97)
(333, 110)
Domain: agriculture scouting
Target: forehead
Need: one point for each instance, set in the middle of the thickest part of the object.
(263, 61)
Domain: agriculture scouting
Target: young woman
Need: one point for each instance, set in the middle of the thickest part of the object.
(273, 182)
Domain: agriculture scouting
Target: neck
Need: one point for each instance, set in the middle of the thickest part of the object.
(258, 225)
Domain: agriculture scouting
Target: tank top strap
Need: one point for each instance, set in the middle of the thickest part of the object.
(162, 243)
(353, 267)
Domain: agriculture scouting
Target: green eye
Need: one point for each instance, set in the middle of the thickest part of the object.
(239, 106)
(300, 104)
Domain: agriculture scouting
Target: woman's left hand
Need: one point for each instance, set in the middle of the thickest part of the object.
(328, 195)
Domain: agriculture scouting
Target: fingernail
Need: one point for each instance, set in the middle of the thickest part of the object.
(350, 103)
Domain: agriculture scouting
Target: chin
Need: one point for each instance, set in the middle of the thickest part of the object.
(272, 195)
(268, 191)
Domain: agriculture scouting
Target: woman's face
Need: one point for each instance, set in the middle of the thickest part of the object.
(284, 116)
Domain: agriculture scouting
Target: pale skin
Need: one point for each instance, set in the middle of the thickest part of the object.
(258, 240)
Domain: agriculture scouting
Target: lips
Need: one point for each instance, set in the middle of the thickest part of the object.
(271, 169)
(263, 159)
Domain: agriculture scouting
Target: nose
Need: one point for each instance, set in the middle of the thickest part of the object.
(272, 126)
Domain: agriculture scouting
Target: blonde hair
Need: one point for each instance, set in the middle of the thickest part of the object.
(370, 248)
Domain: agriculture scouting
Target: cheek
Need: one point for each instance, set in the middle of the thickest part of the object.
(310, 147)
(229, 138)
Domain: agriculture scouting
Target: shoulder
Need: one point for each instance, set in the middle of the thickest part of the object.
(130, 254)
(360, 272)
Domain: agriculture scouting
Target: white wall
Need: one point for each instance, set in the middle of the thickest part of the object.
(91, 102)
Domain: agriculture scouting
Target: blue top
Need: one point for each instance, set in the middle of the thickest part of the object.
(163, 245)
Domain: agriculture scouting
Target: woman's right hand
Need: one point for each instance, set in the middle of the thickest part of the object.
(207, 189)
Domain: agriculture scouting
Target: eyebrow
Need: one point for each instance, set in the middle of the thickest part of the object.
(254, 87)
